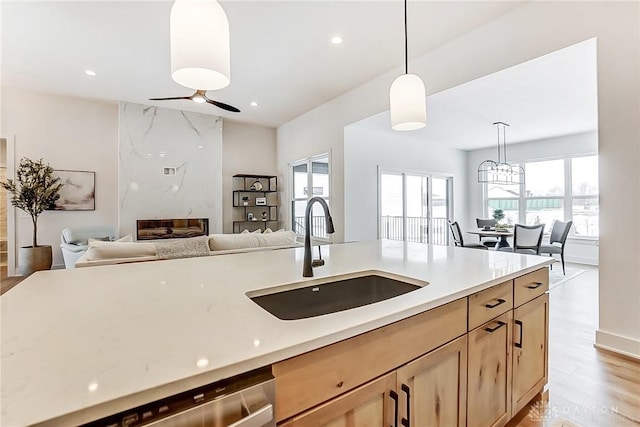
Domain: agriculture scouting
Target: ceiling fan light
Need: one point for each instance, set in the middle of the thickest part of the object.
(200, 48)
(198, 98)
(407, 103)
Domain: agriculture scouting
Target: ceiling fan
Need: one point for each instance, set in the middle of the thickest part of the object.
(200, 97)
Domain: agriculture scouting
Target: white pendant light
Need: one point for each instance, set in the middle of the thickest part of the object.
(407, 101)
(200, 48)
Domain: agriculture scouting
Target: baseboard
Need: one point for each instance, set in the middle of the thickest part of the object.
(618, 344)
(582, 260)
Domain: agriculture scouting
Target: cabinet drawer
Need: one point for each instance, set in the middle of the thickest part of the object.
(530, 286)
(317, 376)
(367, 405)
(490, 303)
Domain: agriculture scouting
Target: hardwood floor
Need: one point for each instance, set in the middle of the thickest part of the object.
(587, 387)
(7, 283)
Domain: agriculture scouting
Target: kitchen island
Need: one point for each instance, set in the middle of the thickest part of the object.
(80, 344)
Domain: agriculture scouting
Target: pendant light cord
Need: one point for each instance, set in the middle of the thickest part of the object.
(406, 49)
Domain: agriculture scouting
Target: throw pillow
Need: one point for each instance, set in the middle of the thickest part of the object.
(268, 230)
(245, 231)
(98, 239)
(258, 231)
(127, 238)
(183, 248)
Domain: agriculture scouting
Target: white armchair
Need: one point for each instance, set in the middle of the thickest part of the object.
(75, 241)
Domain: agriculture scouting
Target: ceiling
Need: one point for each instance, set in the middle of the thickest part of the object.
(281, 54)
(549, 96)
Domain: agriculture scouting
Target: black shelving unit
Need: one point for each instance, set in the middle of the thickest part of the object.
(255, 202)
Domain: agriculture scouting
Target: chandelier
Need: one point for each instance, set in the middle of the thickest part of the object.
(500, 172)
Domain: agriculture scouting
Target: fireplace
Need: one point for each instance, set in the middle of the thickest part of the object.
(154, 229)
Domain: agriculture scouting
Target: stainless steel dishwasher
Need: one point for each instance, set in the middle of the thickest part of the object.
(246, 400)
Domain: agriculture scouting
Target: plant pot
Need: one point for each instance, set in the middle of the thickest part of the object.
(35, 259)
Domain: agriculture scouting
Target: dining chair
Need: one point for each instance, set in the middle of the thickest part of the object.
(488, 241)
(458, 240)
(526, 239)
(559, 233)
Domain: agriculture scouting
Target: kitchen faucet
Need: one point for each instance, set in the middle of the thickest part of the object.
(307, 267)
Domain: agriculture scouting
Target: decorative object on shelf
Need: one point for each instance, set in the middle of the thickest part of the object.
(200, 45)
(500, 172)
(78, 191)
(35, 189)
(250, 193)
(407, 100)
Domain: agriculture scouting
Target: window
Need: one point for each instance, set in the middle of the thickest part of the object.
(560, 189)
(505, 197)
(584, 195)
(544, 192)
(414, 207)
(309, 178)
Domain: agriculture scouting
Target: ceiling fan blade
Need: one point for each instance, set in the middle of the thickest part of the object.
(165, 99)
(223, 106)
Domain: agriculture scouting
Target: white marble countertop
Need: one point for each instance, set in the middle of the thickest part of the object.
(81, 344)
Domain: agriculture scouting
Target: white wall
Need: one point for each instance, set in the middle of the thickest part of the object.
(153, 138)
(527, 32)
(366, 150)
(577, 250)
(71, 134)
(247, 149)
(80, 134)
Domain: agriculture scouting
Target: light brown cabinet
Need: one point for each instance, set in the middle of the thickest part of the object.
(530, 350)
(436, 386)
(367, 405)
(426, 392)
(473, 362)
(489, 385)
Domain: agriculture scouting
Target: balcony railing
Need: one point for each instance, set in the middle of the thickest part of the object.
(390, 228)
(318, 226)
(417, 229)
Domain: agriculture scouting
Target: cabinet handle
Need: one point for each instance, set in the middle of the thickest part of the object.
(500, 301)
(406, 422)
(536, 285)
(500, 325)
(519, 343)
(394, 396)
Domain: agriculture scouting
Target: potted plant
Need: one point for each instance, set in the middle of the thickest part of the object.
(34, 190)
(498, 215)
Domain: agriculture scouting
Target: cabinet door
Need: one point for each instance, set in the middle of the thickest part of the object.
(436, 385)
(530, 350)
(489, 373)
(370, 405)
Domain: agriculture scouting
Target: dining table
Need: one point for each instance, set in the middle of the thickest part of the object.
(502, 234)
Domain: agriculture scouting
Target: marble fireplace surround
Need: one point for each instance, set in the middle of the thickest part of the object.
(156, 229)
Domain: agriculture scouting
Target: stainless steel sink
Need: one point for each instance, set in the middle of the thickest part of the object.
(300, 301)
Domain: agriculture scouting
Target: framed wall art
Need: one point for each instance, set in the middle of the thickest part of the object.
(78, 192)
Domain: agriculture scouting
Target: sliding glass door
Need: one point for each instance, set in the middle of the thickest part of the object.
(414, 207)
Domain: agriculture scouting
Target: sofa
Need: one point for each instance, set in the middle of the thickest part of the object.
(108, 253)
(75, 241)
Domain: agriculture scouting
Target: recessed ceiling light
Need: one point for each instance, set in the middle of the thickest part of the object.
(90, 73)
(254, 104)
(336, 40)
